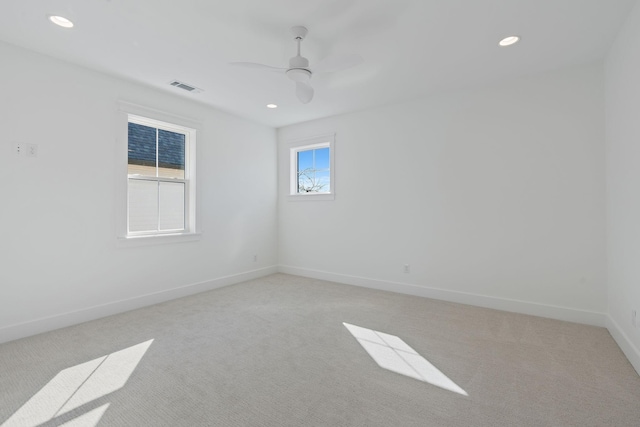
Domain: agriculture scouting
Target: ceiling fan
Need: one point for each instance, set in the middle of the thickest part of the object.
(299, 70)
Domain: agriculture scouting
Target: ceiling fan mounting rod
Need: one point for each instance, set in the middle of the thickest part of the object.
(299, 65)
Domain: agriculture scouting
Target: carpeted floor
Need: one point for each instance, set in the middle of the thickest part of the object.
(275, 352)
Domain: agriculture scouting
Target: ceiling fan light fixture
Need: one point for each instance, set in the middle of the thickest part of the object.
(61, 21)
(508, 41)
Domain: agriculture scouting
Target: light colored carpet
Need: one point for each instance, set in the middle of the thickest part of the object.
(275, 352)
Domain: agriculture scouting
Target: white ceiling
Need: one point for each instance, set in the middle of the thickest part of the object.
(411, 48)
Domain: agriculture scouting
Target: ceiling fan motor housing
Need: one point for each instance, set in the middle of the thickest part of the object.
(299, 62)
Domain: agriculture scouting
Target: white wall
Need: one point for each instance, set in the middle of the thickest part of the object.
(623, 185)
(494, 197)
(58, 253)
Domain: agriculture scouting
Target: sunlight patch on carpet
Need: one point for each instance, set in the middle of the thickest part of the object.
(392, 353)
(88, 419)
(79, 385)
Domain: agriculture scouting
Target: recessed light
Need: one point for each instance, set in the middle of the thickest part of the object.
(61, 21)
(508, 41)
(272, 106)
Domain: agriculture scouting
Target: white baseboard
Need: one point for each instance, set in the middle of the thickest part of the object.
(534, 309)
(625, 344)
(45, 324)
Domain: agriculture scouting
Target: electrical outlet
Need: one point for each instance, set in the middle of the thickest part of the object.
(407, 268)
(32, 150)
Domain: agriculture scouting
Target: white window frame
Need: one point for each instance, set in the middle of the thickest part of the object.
(167, 121)
(306, 144)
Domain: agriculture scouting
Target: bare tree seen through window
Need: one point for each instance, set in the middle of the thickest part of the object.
(313, 170)
(309, 183)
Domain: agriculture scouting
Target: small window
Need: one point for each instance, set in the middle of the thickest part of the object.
(312, 169)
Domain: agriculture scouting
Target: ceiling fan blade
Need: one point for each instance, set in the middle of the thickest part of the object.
(336, 63)
(259, 66)
(304, 92)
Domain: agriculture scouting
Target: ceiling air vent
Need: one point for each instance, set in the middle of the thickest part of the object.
(185, 86)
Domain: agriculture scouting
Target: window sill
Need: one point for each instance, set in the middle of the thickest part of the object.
(307, 197)
(157, 239)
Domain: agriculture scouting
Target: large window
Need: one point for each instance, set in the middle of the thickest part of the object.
(312, 168)
(160, 166)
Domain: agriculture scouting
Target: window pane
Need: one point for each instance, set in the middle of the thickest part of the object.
(305, 181)
(170, 154)
(323, 183)
(143, 205)
(311, 181)
(171, 205)
(322, 158)
(305, 160)
(142, 150)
